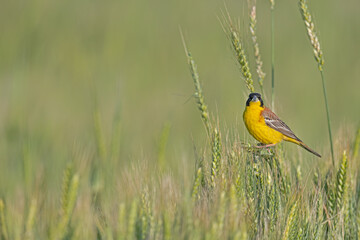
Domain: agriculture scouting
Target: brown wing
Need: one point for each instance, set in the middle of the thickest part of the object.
(275, 123)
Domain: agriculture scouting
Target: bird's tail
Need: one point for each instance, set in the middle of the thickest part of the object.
(308, 149)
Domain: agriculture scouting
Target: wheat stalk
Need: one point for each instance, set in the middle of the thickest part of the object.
(272, 7)
(310, 27)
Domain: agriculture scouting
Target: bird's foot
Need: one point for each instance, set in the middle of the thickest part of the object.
(264, 146)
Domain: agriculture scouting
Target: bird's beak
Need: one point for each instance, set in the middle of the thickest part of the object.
(254, 99)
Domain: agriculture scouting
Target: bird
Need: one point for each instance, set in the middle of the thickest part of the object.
(266, 127)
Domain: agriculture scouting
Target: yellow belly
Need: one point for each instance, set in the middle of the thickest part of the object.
(257, 127)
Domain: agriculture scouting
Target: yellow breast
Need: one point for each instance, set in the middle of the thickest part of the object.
(255, 124)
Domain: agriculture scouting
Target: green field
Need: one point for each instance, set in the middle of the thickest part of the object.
(101, 136)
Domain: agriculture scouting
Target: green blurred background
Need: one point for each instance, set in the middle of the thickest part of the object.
(57, 57)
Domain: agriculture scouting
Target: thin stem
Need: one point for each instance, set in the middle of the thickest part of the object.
(272, 59)
(328, 116)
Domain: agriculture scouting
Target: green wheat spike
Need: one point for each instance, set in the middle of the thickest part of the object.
(100, 140)
(216, 156)
(166, 227)
(29, 226)
(238, 185)
(3, 227)
(158, 231)
(310, 27)
(199, 97)
(272, 207)
(162, 145)
(73, 192)
(152, 227)
(189, 221)
(221, 213)
(350, 216)
(291, 222)
(122, 222)
(298, 235)
(116, 136)
(65, 219)
(357, 221)
(146, 214)
(196, 186)
(132, 220)
(329, 197)
(241, 58)
(259, 63)
(233, 209)
(318, 215)
(341, 182)
(68, 174)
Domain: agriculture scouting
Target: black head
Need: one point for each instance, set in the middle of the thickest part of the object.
(254, 97)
